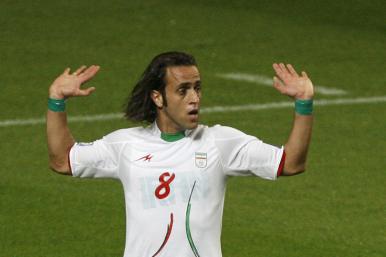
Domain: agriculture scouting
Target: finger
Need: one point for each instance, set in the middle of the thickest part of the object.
(278, 85)
(304, 74)
(292, 70)
(281, 71)
(282, 67)
(277, 82)
(80, 70)
(89, 73)
(278, 68)
(66, 71)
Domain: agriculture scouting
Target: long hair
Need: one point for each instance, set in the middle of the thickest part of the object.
(140, 106)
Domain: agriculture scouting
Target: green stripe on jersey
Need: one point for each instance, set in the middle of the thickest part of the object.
(187, 225)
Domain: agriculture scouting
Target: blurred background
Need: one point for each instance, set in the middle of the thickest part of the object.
(337, 208)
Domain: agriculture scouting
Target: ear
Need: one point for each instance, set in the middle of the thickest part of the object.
(156, 96)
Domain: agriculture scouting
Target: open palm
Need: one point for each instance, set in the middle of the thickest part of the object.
(288, 82)
(69, 84)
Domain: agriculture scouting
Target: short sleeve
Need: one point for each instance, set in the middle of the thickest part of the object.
(243, 155)
(98, 159)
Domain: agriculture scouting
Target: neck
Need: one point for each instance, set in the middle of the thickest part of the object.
(167, 126)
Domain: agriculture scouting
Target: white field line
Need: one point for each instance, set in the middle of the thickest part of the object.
(267, 81)
(82, 118)
(214, 109)
(278, 105)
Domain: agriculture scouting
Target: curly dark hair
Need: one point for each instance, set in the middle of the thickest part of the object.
(140, 106)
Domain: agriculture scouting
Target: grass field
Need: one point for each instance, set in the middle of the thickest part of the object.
(336, 209)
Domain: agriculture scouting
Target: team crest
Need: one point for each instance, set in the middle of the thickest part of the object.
(200, 160)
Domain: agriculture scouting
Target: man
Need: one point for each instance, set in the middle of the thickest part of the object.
(174, 171)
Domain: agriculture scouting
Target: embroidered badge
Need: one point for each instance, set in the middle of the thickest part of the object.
(200, 160)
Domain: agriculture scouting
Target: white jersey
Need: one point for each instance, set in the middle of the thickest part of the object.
(174, 191)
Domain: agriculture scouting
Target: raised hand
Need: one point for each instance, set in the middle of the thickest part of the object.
(69, 84)
(288, 82)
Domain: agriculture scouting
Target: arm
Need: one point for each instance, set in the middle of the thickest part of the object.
(299, 87)
(59, 138)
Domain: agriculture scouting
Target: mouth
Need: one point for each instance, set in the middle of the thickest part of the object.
(193, 114)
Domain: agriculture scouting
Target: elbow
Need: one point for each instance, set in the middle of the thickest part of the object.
(291, 170)
(62, 168)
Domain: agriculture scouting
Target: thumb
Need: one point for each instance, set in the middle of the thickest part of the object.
(279, 85)
(86, 91)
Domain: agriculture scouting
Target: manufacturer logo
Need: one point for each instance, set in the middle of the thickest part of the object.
(200, 160)
(145, 158)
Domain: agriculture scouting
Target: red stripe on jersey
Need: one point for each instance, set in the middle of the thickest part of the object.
(168, 232)
(281, 165)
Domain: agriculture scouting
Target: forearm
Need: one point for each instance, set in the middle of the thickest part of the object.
(59, 138)
(59, 141)
(300, 88)
(297, 145)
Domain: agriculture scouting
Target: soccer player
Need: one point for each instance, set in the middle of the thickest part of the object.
(174, 171)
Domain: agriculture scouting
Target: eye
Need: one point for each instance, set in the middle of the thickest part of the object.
(182, 91)
(197, 86)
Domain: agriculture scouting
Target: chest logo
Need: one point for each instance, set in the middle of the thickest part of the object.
(200, 160)
(145, 158)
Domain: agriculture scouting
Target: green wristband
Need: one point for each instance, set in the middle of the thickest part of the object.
(56, 105)
(303, 107)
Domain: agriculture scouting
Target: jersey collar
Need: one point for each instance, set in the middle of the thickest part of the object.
(170, 137)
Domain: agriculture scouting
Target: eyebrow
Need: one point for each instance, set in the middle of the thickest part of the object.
(187, 84)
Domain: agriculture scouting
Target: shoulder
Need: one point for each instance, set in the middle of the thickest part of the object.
(219, 131)
(216, 132)
(127, 135)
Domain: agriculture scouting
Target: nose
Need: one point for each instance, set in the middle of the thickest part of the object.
(195, 97)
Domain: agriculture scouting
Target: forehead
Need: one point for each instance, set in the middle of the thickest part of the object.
(176, 75)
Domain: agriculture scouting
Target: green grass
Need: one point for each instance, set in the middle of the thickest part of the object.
(337, 208)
